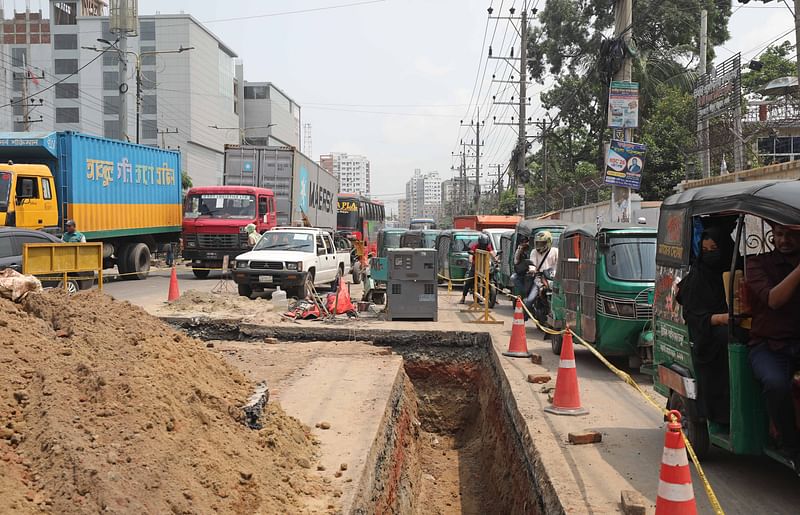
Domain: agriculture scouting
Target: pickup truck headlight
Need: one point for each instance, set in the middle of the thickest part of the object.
(191, 244)
(240, 264)
(298, 266)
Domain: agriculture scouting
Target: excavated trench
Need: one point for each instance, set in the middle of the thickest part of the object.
(451, 439)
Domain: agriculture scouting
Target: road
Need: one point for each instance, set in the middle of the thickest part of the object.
(633, 432)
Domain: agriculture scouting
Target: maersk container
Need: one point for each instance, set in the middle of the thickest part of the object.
(125, 195)
(300, 185)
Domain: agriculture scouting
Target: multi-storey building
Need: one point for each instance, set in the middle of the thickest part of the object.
(353, 171)
(423, 194)
(270, 117)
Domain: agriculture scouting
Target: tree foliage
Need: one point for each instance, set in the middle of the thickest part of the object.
(776, 63)
(186, 180)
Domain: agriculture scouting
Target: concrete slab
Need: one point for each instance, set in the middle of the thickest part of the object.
(351, 394)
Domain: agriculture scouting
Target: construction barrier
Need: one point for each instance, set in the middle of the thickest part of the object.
(675, 492)
(712, 498)
(61, 261)
(567, 399)
(518, 345)
(482, 265)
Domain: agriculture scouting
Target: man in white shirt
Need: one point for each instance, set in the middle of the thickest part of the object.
(543, 261)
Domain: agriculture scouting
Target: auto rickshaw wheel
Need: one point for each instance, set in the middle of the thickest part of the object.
(696, 430)
(555, 343)
(357, 272)
(379, 297)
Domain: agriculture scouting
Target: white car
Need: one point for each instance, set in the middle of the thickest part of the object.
(294, 258)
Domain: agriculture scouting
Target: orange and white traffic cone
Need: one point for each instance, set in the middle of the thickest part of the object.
(518, 346)
(567, 399)
(675, 492)
(174, 293)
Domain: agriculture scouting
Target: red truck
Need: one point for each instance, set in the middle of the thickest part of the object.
(214, 222)
(481, 222)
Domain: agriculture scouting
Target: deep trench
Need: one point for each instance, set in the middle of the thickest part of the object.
(449, 442)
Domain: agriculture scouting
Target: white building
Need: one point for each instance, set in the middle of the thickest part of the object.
(424, 194)
(270, 117)
(353, 171)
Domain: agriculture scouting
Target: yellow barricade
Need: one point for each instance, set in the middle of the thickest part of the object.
(482, 288)
(62, 259)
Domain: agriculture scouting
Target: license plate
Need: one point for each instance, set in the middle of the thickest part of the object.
(212, 254)
(265, 278)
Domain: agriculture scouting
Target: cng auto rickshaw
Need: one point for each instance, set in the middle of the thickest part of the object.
(528, 228)
(378, 273)
(681, 377)
(419, 239)
(453, 253)
(602, 288)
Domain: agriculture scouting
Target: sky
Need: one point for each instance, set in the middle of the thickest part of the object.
(393, 79)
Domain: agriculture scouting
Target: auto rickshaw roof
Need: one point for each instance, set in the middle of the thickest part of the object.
(592, 230)
(529, 225)
(778, 201)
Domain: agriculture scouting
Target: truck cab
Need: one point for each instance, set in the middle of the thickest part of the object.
(215, 220)
(27, 196)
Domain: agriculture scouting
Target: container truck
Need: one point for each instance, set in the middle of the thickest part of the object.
(303, 189)
(124, 195)
(215, 220)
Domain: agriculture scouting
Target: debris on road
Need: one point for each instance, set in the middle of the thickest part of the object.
(585, 437)
(539, 378)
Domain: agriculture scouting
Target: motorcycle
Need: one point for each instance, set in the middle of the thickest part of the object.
(540, 307)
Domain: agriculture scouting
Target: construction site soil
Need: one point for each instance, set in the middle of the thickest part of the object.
(105, 408)
(223, 305)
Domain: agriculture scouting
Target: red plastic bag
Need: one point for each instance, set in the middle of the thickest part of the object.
(339, 301)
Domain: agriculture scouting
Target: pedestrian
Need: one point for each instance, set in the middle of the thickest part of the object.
(483, 243)
(252, 235)
(773, 280)
(170, 257)
(71, 235)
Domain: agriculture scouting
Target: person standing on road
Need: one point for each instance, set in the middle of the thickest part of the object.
(521, 280)
(483, 243)
(71, 235)
(773, 280)
(252, 235)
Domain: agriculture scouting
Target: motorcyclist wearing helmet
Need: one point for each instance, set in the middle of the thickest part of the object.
(483, 243)
(543, 262)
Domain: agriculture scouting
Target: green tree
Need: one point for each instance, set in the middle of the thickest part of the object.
(186, 180)
(777, 61)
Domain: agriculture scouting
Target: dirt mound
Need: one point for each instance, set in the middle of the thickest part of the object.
(223, 305)
(103, 407)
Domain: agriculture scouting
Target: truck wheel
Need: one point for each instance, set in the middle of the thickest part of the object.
(72, 286)
(335, 282)
(122, 256)
(695, 430)
(200, 274)
(305, 290)
(139, 261)
(357, 272)
(555, 343)
(245, 290)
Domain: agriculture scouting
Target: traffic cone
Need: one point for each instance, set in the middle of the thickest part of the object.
(675, 492)
(567, 399)
(174, 293)
(518, 346)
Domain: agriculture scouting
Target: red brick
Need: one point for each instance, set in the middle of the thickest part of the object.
(536, 359)
(538, 378)
(585, 437)
(633, 503)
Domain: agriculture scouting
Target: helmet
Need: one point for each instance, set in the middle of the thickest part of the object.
(543, 241)
(483, 241)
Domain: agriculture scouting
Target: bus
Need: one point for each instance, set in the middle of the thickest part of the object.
(360, 218)
(422, 224)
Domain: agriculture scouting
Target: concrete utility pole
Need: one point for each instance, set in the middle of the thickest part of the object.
(797, 32)
(463, 179)
(623, 27)
(522, 141)
(478, 163)
(543, 126)
(702, 125)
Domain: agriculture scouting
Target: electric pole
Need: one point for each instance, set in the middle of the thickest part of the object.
(477, 144)
(163, 133)
(522, 141)
(623, 28)
(702, 125)
(124, 21)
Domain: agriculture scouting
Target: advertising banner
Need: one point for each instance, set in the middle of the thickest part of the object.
(623, 105)
(624, 164)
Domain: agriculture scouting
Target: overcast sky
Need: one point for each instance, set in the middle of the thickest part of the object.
(391, 79)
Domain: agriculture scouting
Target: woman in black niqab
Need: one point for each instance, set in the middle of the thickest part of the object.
(705, 310)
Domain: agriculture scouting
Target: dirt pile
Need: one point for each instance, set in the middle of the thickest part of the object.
(223, 305)
(105, 408)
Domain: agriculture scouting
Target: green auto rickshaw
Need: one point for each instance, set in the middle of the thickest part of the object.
(602, 289)
(378, 273)
(737, 421)
(419, 239)
(453, 248)
(528, 228)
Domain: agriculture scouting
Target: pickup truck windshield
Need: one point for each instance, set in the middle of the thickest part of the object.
(632, 259)
(286, 240)
(5, 189)
(220, 205)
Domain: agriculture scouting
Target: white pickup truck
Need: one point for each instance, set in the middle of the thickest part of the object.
(293, 258)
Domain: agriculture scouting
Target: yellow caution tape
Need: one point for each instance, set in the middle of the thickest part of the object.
(624, 376)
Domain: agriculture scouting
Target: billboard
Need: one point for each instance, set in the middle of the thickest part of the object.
(623, 105)
(721, 91)
(624, 164)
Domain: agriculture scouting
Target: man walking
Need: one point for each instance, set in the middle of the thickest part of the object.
(72, 236)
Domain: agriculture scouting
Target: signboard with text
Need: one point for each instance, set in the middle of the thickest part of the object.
(720, 92)
(623, 105)
(624, 164)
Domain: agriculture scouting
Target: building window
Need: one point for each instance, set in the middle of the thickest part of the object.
(111, 129)
(110, 58)
(67, 115)
(255, 92)
(65, 13)
(148, 58)
(111, 105)
(147, 30)
(18, 57)
(66, 66)
(148, 80)
(67, 90)
(65, 41)
(779, 149)
(149, 131)
(111, 80)
(19, 109)
(149, 105)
